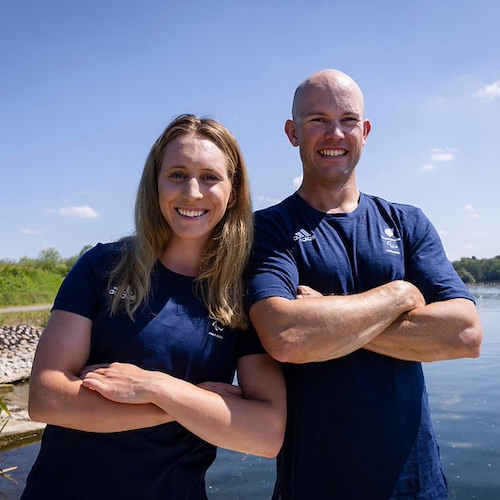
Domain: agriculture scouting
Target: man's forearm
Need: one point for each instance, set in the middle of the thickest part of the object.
(442, 330)
(322, 328)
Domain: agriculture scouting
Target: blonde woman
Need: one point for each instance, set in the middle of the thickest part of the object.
(133, 371)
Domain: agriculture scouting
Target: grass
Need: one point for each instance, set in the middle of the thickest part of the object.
(21, 286)
(32, 318)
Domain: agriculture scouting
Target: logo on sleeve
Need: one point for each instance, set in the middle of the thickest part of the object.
(303, 236)
(392, 243)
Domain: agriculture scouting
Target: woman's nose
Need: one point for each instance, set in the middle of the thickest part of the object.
(192, 189)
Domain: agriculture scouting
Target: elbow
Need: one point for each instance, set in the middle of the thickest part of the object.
(279, 347)
(271, 446)
(36, 411)
(41, 404)
(273, 451)
(472, 337)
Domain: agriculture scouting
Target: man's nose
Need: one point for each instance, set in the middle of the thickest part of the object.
(334, 130)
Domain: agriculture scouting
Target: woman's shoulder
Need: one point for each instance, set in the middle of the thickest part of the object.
(103, 255)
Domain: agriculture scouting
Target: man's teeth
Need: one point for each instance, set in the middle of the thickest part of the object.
(190, 213)
(332, 152)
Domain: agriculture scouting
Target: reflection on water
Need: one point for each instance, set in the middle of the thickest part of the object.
(466, 409)
(466, 414)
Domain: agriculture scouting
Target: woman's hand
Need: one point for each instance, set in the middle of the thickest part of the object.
(121, 382)
(306, 292)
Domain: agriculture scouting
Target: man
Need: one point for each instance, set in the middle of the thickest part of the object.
(378, 297)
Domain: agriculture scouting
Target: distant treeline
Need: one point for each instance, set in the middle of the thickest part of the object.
(473, 270)
(36, 280)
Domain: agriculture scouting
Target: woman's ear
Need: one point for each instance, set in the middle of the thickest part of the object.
(232, 199)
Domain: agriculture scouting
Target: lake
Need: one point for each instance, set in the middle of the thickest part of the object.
(465, 405)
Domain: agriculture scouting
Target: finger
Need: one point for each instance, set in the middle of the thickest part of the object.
(91, 368)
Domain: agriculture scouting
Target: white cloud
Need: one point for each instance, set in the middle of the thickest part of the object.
(469, 207)
(442, 156)
(428, 167)
(297, 181)
(31, 231)
(267, 201)
(474, 216)
(489, 92)
(84, 212)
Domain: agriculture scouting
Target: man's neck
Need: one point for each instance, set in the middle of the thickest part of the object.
(331, 200)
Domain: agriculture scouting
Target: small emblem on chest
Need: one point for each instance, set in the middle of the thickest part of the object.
(391, 242)
(216, 329)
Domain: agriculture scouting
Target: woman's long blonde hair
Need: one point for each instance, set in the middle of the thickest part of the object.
(220, 281)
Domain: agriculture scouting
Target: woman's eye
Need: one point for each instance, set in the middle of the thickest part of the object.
(212, 178)
(176, 175)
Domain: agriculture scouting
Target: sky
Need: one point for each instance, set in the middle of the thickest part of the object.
(86, 87)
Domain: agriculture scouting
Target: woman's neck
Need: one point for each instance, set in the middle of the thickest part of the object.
(182, 258)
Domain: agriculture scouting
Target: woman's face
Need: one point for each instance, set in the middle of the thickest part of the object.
(194, 187)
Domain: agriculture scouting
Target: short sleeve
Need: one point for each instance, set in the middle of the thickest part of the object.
(273, 270)
(427, 265)
(83, 286)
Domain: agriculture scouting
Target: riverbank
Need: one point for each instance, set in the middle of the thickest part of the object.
(17, 350)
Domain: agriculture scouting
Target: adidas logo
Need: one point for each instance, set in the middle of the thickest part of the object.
(303, 236)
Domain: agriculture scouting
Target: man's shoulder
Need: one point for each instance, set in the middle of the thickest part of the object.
(278, 208)
(403, 209)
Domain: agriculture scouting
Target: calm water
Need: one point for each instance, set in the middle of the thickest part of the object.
(465, 402)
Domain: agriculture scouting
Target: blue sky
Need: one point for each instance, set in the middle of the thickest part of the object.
(87, 86)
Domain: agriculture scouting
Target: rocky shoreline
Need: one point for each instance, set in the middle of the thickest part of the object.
(17, 350)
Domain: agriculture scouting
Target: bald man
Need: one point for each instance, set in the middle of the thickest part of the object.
(351, 293)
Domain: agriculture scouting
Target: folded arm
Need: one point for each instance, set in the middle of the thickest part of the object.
(442, 330)
(327, 327)
(56, 393)
(249, 418)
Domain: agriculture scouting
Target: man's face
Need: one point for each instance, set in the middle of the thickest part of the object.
(330, 130)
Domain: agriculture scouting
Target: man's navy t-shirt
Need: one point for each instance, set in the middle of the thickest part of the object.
(358, 426)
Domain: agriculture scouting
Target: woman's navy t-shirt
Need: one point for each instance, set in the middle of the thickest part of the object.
(173, 333)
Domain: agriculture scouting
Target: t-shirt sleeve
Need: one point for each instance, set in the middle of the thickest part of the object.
(80, 291)
(273, 270)
(249, 343)
(427, 265)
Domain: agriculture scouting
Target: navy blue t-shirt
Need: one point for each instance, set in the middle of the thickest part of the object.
(359, 426)
(173, 333)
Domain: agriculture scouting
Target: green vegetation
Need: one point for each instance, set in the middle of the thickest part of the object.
(473, 270)
(32, 318)
(34, 281)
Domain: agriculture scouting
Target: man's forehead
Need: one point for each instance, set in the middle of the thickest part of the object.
(319, 100)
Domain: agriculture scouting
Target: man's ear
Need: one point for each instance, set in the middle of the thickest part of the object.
(367, 126)
(291, 132)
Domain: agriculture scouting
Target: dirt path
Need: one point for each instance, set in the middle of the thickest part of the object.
(24, 308)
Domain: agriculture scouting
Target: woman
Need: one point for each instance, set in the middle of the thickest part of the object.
(156, 321)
